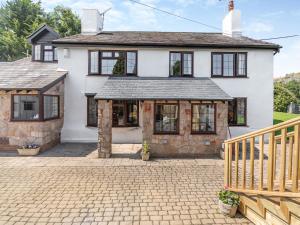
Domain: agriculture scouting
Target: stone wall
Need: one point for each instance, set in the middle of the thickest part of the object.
(185, 144)
(104, 128)
(44, 133)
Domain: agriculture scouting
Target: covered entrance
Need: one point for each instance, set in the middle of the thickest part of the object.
(178, 117)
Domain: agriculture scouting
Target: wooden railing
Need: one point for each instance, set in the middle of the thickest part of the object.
(265, 162)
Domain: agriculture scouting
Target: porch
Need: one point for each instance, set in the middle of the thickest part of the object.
(178, 117)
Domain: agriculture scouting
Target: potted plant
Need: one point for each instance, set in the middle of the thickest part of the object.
(228, 202)
(145, 154)
(29, 150)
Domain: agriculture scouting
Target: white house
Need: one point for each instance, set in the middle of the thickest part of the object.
(183, 92)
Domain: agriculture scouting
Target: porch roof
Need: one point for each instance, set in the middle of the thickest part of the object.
(142, 88)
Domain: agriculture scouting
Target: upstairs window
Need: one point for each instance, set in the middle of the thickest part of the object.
(117, 63)
(37, 52)
(46, 53)
(229, 64)
(181, 63)
(237, 112)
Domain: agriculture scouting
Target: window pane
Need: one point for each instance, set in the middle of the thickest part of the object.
(113, 66)
(131, 62)
(118, 115)
(55, 54)
(237, 111)
(92, 114)
(94, 62)
(48, 56)
(187, 63)
(37, 52)
(26, 107)
(132, 113)
(217, 64)
(241, 111)
(175, 64)
(51, 107)
(166, 118)
(107, 54)
(228, 64)
(48, 47)
(242, 64)
(203, 118)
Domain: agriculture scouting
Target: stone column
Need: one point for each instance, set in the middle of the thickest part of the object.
(104, 128)
(147, 123)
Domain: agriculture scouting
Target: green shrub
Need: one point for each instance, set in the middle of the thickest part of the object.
(229, 197)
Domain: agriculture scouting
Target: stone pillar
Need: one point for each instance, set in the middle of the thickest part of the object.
(104, 128)
(147, 123)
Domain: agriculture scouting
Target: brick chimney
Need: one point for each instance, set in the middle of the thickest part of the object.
(231, 5)
(232, 22)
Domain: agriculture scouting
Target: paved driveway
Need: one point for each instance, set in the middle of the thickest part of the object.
(84, 190)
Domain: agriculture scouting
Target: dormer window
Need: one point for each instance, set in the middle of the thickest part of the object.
(44, 52)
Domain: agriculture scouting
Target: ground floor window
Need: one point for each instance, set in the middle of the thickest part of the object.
(166, 119)
(203, 118)
(125, 113)
(34, 107)
(51, 107)
(92, 112)
(237, 112)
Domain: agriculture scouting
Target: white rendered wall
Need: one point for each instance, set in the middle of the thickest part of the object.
(257, 88)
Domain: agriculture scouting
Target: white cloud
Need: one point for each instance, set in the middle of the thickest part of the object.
(142, 17)
(201, 3)
(259, 27)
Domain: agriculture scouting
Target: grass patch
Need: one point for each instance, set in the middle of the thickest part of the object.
(280, 117)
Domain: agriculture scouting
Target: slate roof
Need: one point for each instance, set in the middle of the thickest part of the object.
(117, 88)
(24, 74)
(176, 39)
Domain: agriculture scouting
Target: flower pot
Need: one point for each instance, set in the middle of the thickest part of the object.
(145, 156)
(227, 210)
(28, 151)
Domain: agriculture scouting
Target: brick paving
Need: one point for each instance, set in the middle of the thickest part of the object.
(117, 191)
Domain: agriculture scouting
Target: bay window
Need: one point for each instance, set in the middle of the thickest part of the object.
(229, 64)
(203, 118)
(181, 63)
(51, 107)
(237, 112)
(34, 107)
(166, 119)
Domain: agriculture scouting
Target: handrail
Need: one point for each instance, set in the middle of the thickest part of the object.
(282, 164)
(285, 124)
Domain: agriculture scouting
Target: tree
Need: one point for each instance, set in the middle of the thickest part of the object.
(64, 21)
(282, 98)
(18, 19)
(294, 87)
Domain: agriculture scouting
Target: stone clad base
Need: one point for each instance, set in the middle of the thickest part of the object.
(185, 144)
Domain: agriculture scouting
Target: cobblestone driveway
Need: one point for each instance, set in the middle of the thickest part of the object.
(65, 190)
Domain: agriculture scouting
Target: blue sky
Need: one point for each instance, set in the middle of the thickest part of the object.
(260, 19)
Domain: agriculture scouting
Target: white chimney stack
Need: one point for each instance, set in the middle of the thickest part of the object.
(91, 22)
(232, 22)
